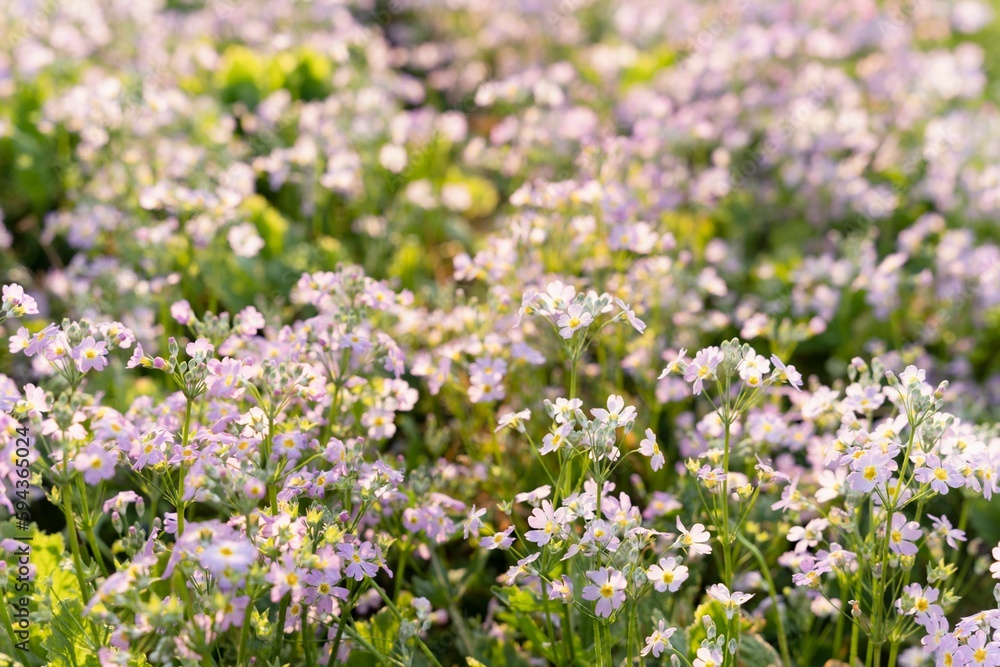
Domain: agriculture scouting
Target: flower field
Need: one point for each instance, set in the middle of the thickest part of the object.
(542, 332)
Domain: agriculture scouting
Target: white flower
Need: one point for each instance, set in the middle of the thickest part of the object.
(573, 319)
(668, 574)
(731, 601)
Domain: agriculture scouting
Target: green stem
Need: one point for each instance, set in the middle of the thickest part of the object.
(766, 571)
(395, 611)
(572, 378)
(724, 537)
(456, 614)
(279, 630)
(400, 571)
(838, 634)
(88, 528)
(185, 434)
(5, 618)
(569, 639)
(307, 640)
(74, 543)
(599, 648)
(632, 631)
(241, 656)
(548, 625)
(893, 651)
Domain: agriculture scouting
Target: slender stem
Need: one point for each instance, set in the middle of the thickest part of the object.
(185, 435)
(307, 640)
(241, 656)
(395, 611)
(5, 618)
(569, 639)
(400, 571)
(893, 651)
(279, 637)
(599, 648)
(766, 571)
(724, 537)
(838, 634)
(88, 528)
(572, 377)
(855, 630)
(548, 624)
(74, 543)
(456, 613)
(272, 485)
(632, 632)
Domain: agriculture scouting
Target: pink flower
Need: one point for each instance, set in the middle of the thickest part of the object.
(648, 447)
(708, 658)
(137, 357)
(380, 423)
(554, 441)
(870, 469)
(703, 368)
(181, 312)
(96, 464)
(285, 577)
(939, 475)
(16, 302)
(151, 448)
(608, 588)
(547, 522)
(361, 561)
(90, 354)
(244, 240)
(658, 642)
(34, 401)
(202, 347)
(228, 555)
(731, 601)
(521, 569)
(473, 521)
(501, 540)
(573, 319)
(903, 534)
(617, 414)
(42, 340)
(636, 323)
(668, 574)
(695, 540)
(786, 373)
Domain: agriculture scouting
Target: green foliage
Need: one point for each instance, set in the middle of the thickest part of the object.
(68, 644)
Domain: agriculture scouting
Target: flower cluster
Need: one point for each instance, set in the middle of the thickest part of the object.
(354, 332)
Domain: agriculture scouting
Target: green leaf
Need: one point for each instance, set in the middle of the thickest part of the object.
(755, 652)
(381, 630)
(519, 600)
(54, 579)
(68, 644)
